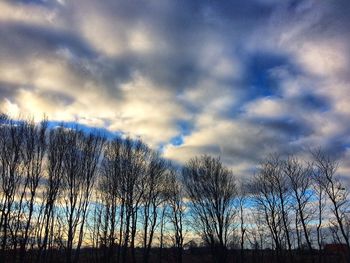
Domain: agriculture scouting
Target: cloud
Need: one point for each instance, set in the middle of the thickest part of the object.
(239, 80)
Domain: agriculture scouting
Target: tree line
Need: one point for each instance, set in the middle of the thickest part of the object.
(72, 196)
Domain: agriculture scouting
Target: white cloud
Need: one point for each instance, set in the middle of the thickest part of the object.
(141, 68)
(266, 108)
(35, 15)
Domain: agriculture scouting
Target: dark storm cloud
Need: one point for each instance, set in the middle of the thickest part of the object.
(57, 98)
(289, 128)
(28, 40)
(8, 89)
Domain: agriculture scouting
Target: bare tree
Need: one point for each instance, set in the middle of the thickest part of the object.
(272, 197)
(300, 180)
(177, 208)
(265, 197)
(90, 158)
(336, 193)
(282, 187)
(112, 197)
(242, 199)
(320, 205)
(79, 169)
(11, 147)
(134, 169)
(57, 147)
(258, 234)
(34, 151)
(211, 190)
(154, 197)
(123, 171)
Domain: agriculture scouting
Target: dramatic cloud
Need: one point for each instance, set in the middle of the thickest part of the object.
(240, 80)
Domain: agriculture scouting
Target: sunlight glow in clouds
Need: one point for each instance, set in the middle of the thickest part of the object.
(239, 80)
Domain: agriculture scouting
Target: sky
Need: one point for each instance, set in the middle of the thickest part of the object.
(236, 79)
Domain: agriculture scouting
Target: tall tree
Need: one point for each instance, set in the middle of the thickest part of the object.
(211, 190)
(154, 196)
(336, 193)
(300, 180)
(11, 156)
(57, 147)
(35, 147)
(177, 209)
